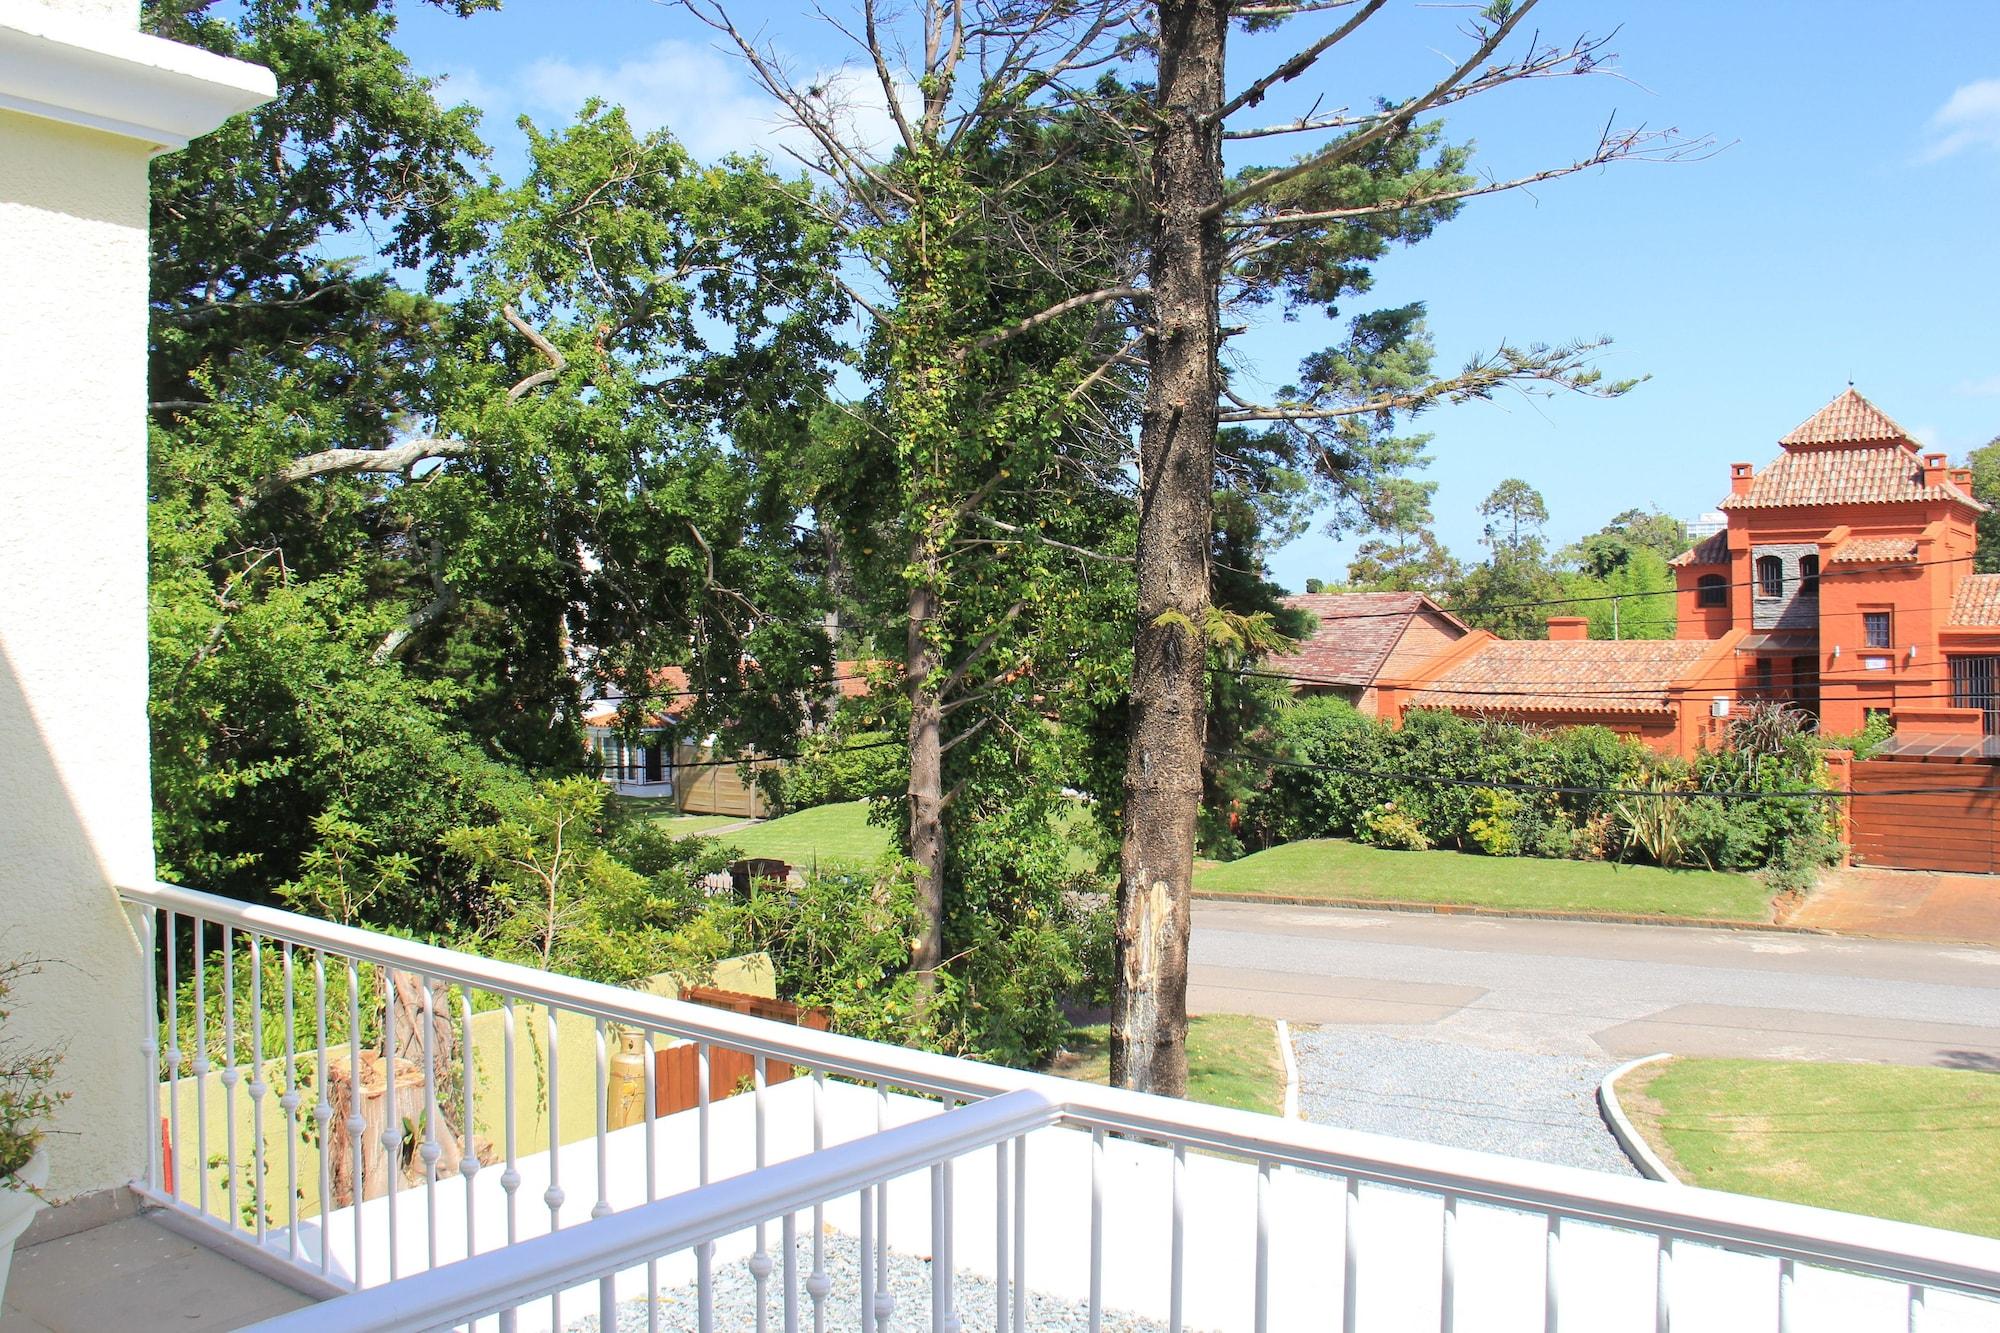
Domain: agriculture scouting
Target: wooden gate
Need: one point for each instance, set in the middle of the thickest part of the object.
(676, 1084)
(1935, 812)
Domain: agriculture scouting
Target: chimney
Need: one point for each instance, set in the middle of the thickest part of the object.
(1740, 475)
(1934, 470)
(1568, 628)
(1961, 477)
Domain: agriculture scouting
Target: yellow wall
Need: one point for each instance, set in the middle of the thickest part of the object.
(576, 1097)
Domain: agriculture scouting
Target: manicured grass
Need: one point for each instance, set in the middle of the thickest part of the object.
(1232, 1061)
(827, 835)
(1338, 868)
(840, 834)
(683, 825)
(1917, 1145)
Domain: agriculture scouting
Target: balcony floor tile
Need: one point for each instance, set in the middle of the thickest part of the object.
(134, 1273)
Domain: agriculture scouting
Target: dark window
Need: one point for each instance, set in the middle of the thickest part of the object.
(1875, 629)
(1770, 576)
(1764, 690)
(1711, 590)
(1972, 686)
(1808, 576)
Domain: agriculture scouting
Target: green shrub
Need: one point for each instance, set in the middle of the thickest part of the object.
(1398, 830)
(1496, 830)
(26, 1100)
(832, 767)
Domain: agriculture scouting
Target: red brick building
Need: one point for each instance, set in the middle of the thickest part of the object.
(1843, 583)
(1847, 569)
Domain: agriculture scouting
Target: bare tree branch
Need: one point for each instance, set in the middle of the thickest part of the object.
(1057, 311)
(1297, 64)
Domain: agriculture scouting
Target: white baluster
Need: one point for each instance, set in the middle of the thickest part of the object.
(607, 1286)
(1919, 1317)
(468, 1157)
(946, 1261)
(289, 1104)
(258, 1086)
(510, 1177)
(1787, 1278)
(1448, 1267)
(200, 1067)
(704, 1254)
(1096, 1230)
(149, 1047)
(1177, 1245)
(1663, 1294)
(1350, 1264)
(430, 1152)
(868, 1259)
(231, 1075)
(1021, 1234)
(760, 1259)
(323, 1109)
(652, 1173)
(174, 1055)
(940, 1226)
(818, 1285)
(553, 1196)
(355, 1124)
(1552, 1277)
(392, 1122)
(1260, 1318)
(885, 1299)
(1000, 1237)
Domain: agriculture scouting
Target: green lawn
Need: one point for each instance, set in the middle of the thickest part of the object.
(1917, 1145)
(827, 835)
(840, 834)
(1232, 1061)
(683, 825)
(1337, 868)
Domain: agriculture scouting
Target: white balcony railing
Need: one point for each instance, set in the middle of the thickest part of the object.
(889, 1179)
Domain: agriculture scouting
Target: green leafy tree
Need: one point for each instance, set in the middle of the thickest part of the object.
(1508, 592)
(1985, 464)
(400, 496)
(1405, 556)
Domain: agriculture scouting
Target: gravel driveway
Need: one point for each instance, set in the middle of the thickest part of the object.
(1542, 1107)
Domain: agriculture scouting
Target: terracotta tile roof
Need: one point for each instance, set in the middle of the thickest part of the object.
(1977, 601)
(1848, 419)
(1357, 632)
(1881, 474)
(1710, 550)
(1871, 550)
(1568, 676)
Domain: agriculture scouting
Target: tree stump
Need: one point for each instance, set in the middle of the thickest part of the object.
(374, 1120)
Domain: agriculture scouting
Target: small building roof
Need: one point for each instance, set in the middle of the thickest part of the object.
(1566, 676)
(1977, 601)
(1356, 633)
(1710, 550)
(1848, 419)
(1873, 550)
(1848, 452)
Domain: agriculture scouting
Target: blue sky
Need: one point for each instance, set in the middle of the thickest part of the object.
(1850, 229)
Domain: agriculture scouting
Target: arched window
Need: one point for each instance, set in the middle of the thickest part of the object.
(1770, 576)
(1808, 576)
(1711, 590)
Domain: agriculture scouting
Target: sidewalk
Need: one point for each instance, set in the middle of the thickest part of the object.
(1905, 904)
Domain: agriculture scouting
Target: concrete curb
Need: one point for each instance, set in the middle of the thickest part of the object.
(1291, 1062)
(1628, 1136)
(1601, 918)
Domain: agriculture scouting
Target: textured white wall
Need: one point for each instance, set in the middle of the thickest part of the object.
(75, 814)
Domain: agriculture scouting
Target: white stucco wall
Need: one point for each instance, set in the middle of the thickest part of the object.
(74, 805)
(75, 810)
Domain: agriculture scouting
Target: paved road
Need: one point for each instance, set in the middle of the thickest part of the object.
(1491, 1032)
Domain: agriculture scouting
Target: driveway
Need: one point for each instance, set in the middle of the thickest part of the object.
(1489, 1031)
(1905, 904)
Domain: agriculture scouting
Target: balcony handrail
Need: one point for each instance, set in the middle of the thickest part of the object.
(1878, 1247)
(456, 1293)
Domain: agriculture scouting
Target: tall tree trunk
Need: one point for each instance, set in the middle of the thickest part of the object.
(926, 789)
(1177, 478)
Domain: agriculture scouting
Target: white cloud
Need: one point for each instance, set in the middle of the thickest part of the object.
(1989, 387)
(697, 92)
(1969, 119)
